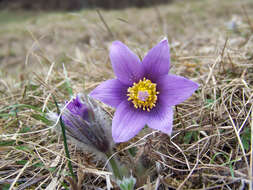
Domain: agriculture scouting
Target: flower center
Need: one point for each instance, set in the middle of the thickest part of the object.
(143, 94)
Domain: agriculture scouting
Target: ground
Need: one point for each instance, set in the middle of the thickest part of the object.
(211, 43)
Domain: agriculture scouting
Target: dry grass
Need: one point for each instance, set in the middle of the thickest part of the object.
(212, 142)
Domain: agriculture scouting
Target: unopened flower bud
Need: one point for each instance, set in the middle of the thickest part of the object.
(87, 125)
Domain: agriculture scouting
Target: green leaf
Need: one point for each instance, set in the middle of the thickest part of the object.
(246, 138)
(25, 129)
(41, 118)
(209, 102)
(217, 154)
(52, 169)
(5, 186)
(127, 183)
(33, 87)
(188, 137)
(132, 151)
(196, 135)
(6, 115)
(20, 106)
(65, 185)
(65, 140)
(231, 170)
(38, 165)
(23, 148)
(13, 109)
(7, 143)
(21, 162)
(67, 82)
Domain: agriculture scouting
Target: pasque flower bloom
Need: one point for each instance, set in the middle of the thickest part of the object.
(87, 125)
(143, 92)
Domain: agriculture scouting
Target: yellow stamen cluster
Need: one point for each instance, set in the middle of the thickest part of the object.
(143, 94)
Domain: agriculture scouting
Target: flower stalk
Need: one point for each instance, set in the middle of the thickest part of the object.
(114, 166)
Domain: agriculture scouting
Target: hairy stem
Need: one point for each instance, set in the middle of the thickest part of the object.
(114, 166)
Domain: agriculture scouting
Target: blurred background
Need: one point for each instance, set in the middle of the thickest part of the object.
(76, 4)
(34, 34)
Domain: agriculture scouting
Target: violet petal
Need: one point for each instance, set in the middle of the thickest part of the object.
(127, 122)
(77, 107)
(161, 119)
(157, 61)
(111, 92)
(126, 65)
(175, 89)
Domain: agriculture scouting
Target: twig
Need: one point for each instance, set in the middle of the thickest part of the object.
(21, 171)
(106, 25)
(247, 17)
(238, 137)
(182, 152)
(197, 161)
(30, 182)
(251, 156)
(158, 14)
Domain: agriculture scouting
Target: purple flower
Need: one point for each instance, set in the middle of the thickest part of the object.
(143, 92)
(87, 125)
(77, 107)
